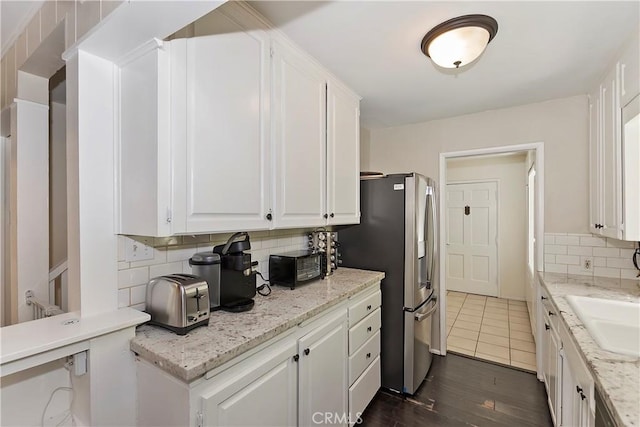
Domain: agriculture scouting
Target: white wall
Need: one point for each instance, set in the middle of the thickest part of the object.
(561, 124)
(58, 184)
(510, 173)
(25, 394)
(365, 145)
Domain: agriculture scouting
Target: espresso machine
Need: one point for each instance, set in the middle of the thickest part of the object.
(237, 274)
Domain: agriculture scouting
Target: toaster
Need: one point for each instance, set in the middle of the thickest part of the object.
(179, 302)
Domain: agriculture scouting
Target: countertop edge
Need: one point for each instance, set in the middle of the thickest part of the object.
(569, 317)
(189, 374)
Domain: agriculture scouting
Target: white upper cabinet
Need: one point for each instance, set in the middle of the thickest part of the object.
(611, 153)
(630, 70)
(299, 140)
(227, 140)
(234, 129)
(609, 172)
(343, 155)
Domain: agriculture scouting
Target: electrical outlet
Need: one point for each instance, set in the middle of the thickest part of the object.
(587, 264)
(140, 249)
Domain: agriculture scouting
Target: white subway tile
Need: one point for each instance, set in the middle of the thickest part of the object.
(123, 298)
(138, 294)
(555, 249)
(123, 265)
(580, 250)
(622, 244)
(549, 239)
(132, 277)
(159, 257)
(627, 253)
(625, 273)
(557, 234)
(606, 272)
(271, 242)
(593, 241)
(186, 268)
(620, 263)
(549, 258)
(62, 8)
(555, 268)
(580, 234)
(140, 307)
(284, 241)
(259, 234)
(599, 262)
(122, 248)
(580, 270)
(256, 244)
(162, 269)
(568, 259)
(567, 240)
(606, 252)
(180, 253)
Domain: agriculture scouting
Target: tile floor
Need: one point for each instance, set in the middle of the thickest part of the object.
(489, 328)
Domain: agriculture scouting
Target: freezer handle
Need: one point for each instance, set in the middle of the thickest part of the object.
(421, 316)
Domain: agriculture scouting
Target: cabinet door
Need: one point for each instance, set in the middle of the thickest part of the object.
(611, 157)
(253, 394)
(227, 155)
(343, 156)
(595, 160)
(323, 379)
(299, 110)
(555, 375)
(629, 71)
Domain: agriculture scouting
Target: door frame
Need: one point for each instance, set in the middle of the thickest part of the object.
(538, 149)
(444, 218)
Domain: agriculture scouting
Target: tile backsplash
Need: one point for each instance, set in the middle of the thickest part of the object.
(570, 253)
(171, 255)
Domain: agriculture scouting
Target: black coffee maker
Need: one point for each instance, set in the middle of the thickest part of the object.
(237, 275)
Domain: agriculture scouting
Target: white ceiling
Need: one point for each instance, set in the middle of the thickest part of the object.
(14, 16)
(543, 50)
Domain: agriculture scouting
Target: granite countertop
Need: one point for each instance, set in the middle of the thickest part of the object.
(228, 335)
(616, 376)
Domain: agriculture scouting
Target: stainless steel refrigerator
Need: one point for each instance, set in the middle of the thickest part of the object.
(397, 234)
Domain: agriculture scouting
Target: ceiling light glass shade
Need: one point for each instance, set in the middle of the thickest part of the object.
(459, 41)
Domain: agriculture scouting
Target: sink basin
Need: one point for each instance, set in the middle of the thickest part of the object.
(614, 325)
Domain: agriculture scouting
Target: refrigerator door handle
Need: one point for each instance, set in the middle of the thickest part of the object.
(434, 230)
(421, 316)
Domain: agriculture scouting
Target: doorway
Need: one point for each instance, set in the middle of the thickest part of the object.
(472, 237)
(484, 317)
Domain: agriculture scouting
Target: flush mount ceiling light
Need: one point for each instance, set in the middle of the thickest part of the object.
(459, 41)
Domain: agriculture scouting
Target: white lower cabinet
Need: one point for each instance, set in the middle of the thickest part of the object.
(305, 377)
(569, 384)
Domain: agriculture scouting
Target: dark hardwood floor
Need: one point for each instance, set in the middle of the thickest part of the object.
(460, 391)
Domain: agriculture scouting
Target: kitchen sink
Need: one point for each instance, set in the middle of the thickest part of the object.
(614, 325)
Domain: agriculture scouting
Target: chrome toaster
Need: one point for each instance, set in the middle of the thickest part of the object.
(179, 302)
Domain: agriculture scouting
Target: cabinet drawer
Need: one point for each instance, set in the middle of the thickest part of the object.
(360, 310)
(362, 358)
(363, 390)
(364, 330)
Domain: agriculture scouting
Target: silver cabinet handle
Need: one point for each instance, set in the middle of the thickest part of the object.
(421, 317)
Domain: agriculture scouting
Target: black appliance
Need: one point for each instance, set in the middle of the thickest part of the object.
(237, 274)
(294, 268)
(398, 234)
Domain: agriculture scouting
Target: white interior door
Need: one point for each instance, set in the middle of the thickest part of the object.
(472, 231)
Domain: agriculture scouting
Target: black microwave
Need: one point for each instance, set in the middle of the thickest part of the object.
(294, 268)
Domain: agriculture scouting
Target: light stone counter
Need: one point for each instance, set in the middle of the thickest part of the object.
(228, 335)
(616, 376)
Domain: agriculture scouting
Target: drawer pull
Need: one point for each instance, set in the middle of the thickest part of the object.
(369, 329)
(296, 358)
(369, 307)
(551, 313)
(368, 355)
(546, 327)
(306, 351)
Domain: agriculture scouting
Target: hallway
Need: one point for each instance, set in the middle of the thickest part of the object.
(493, 329)
(460, 391)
